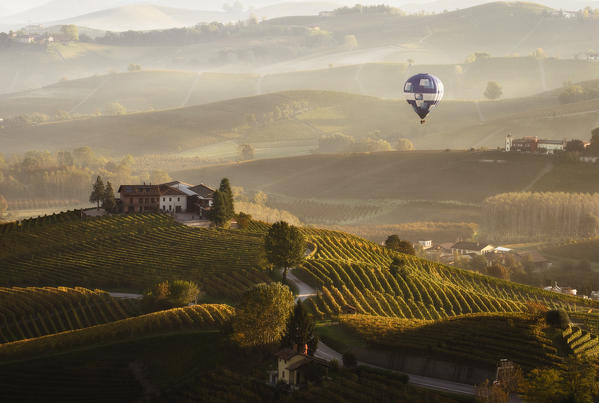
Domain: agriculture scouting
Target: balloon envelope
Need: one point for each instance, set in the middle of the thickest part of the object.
(423, 92)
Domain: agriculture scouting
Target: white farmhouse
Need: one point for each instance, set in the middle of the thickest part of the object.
(173, 200)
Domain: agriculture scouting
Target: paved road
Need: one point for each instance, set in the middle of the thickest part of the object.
(327, 353)
(125, 295)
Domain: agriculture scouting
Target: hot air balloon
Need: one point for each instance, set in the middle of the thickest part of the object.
(423, 92)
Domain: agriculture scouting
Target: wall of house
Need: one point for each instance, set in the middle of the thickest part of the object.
(283, 372)
(138, 204)
(170, 203)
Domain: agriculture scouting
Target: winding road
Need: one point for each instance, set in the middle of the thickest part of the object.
(325, 352)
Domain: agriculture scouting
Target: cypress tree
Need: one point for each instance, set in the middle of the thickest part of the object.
(108, 202)
(225, 189)
(97, 194)
(218, 213)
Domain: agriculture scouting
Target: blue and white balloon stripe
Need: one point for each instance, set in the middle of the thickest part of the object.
(423, 92)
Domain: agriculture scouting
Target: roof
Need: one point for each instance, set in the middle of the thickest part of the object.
(202, 190)
(470, 245)
(287, 353)
(183, 187)
(174, 183)
(149, 190)
(551, 141)
(502, 249)
(307, 360)
(170, 191)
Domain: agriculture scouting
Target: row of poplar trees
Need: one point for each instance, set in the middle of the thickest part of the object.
(223, 209)
(540, 216)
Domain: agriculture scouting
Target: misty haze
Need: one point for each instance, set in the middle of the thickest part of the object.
(299, 201)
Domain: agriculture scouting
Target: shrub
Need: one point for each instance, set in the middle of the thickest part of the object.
(349, 360)
(557, 318)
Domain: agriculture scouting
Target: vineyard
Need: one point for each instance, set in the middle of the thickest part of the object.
(131, 252)
(482, 338)
(580, 342)
(352, 271)
(195, 317)
(27, 313)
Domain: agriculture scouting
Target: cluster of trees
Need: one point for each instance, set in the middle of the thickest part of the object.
(223, 208)
(576, 92)
(393, 242)
(282, 111)
(343, 143)
(173, 294)
(66, 175)
(246, 152)
(103, 195)
(518, 216)
(375, 9)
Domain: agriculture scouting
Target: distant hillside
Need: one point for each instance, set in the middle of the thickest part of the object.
(304, 116)
(160, 89)
(425, 175)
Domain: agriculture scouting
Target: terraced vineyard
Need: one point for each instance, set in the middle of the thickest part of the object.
(352, 271)
(581, 342)
(195, 317)
(131, 251)
(480, 338)
(31, 312)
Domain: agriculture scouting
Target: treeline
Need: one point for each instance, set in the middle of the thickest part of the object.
(343, 143)
(64, 175)
(528, 216)
(376, 9)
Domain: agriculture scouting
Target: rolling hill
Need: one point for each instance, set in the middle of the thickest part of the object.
(161, 89)
(304, 116)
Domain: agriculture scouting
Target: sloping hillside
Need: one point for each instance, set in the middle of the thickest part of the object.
(307, 115)
(425, 175)
(131, 252)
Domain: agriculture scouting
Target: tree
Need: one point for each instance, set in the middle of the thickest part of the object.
(499, 271)
(349, 360)
(246, 152)
(350, 42)
(575, 145)
(134, 67)
(218, 212)
(285, 246)
(183, 293)
(262, 315)
(166, 295)
(557, 318)
(114, 109)
(97, 194)
(539, 53)
(70, 32)
(243, 220)
(393, 242)
(478, 263)
(493, 91)
(108, 201)
(404, 145)
(594, 146)
(300, 329)
(225, 189)
(543, 386)
(490, 393)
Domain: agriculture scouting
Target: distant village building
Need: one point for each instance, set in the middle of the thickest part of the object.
(476, 248)
(533, 144)
(595, 295)
(172, 197)
(592, 57)
(426, 244)
(293, 364)
(561, 290)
